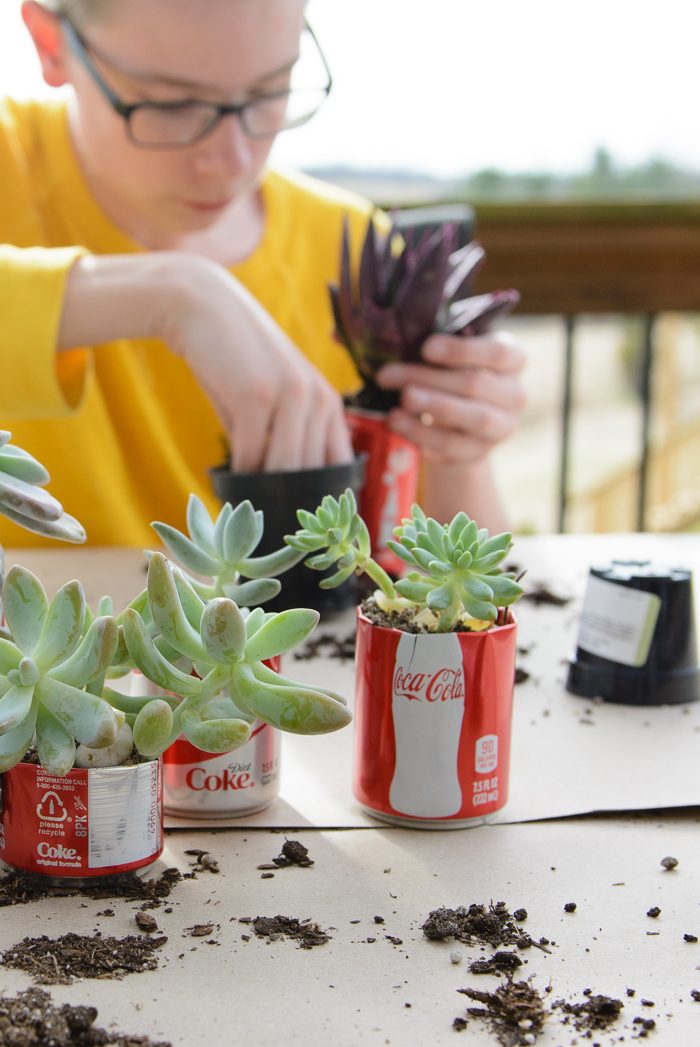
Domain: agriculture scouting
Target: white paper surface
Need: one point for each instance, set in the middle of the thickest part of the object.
(363, 989)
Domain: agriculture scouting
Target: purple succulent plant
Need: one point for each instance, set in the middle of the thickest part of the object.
(408, 288)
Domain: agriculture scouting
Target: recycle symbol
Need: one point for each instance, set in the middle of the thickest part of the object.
(51, 808)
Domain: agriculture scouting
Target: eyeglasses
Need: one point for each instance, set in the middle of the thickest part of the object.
(173, 125)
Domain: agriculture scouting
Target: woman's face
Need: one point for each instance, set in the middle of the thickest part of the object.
(174, 50)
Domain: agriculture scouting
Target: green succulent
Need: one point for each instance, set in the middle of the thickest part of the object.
(456, 574)
(48, 658)
(222, 550)
(24, 500)
(227, 648)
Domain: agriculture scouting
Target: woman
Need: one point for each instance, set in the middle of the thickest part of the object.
(141, 221)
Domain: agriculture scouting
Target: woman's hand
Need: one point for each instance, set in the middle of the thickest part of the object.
(464, 402)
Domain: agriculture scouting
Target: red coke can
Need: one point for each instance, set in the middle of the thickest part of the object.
(433, 716)
(391, 480)
(90, 822)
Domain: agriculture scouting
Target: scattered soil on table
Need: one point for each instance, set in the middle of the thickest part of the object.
(595, 1012)
(308, 934)
(18, 889)
(57, 961)
(521, 675)
(542, 594)
(514, 1012)
(293, 853)
(205, 861)
(493, 925)
(329, 646)
(30, 1019)
(501, 962)
(669, 863)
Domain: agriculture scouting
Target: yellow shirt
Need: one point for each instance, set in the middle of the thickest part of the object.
(126, 432)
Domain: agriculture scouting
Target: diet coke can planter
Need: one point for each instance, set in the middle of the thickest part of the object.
(220, 785)
(223, 785)
(391, 480)
(433, 718)
(92, 822)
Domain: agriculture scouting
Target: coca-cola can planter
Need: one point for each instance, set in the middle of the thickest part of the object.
(391, 480)
(223, 785)
(220, 785)
(96, 821)
(433, 716)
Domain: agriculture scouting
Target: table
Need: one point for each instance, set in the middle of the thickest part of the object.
(383, 982)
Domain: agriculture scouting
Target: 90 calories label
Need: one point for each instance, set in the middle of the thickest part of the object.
(618, 622)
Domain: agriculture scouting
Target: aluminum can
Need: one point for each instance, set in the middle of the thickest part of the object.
(223, 785)
(391, 480)
(433, 716)
(96, 821)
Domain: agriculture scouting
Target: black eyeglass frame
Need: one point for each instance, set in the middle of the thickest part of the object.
(81, 49)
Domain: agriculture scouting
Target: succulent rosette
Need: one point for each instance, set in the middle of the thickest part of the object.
(408, 288)
(455, 578)
(227, 647)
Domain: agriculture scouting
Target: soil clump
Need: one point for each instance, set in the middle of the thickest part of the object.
(18, 889)
(514, 1012)
(308, 934)
(493, 925)
(30, 1019)
(57, 961)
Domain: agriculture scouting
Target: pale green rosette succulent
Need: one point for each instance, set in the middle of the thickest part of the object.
(24, 500)
(227, 648)
(222, 549)
(49, 656)
(456, 578)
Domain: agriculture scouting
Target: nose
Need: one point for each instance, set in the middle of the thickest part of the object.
(226, 151)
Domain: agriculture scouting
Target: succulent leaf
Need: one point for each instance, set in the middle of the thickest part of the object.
(14, 744)
(152, 663)
(55, 745)
(201, 526)
(153, 728)
(297, 709)
(93, 656)
(166, 609)
(215, 736)
(241, 534)
(18, 463)
(88, 718)
(62, 627)
(185, 551)
(281, 633)
(26, 607)
(15, 707)
(223, 630)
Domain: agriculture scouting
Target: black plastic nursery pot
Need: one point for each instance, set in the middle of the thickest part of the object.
(279, 495)
(91, 822)
(637, 642)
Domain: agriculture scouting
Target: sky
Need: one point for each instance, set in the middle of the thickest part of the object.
(452, 86)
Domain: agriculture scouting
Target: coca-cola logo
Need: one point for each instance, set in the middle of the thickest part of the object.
(57, 851)
(443, 685)
(199, 779)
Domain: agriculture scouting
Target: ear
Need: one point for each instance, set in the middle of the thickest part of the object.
(45, 30)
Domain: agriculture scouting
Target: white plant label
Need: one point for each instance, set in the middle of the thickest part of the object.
(618, 622)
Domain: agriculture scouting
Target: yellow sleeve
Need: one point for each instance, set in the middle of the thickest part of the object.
(37, 381)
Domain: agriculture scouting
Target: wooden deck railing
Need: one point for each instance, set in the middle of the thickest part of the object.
(638, 259)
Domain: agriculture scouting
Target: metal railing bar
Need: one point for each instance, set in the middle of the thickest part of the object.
(566, 402)
(647, 363)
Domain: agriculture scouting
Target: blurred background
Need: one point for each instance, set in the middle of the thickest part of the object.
(569, 130)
